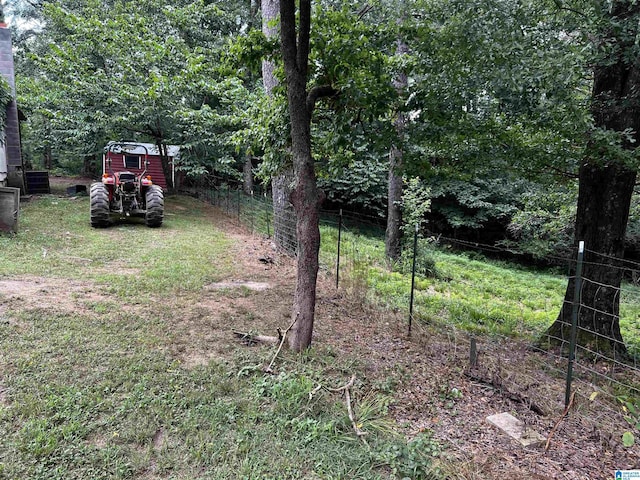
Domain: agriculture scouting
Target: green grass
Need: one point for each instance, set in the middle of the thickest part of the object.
(99, 398)
(479, 296)
(55, 240)
(97, 394)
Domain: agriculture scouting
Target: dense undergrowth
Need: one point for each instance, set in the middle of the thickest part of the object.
(465, 290)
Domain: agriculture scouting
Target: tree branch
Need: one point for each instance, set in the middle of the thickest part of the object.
(564, 414)
(317, 93)
(282, 339)
(347, 400)
(558, 172)
(569, 9)
(364, 10)
(251, 339)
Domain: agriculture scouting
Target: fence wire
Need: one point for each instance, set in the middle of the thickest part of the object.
(602, 379)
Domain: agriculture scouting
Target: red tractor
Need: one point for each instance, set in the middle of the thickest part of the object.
(124, 194)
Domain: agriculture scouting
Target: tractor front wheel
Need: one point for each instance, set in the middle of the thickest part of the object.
(99, 205)
(155, 206)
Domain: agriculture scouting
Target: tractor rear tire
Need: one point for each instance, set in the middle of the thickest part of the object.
(155, 206)
(99, 205)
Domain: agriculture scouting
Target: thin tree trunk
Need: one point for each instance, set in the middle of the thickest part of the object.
(284, 225)
(393, 233)
(88, 165)
(247, 174)
(164, 160)
(47, 157)
(306, 196)
(605, 188)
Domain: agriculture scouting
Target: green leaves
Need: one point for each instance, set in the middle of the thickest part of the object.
(135, 70)
(6, 95)
(631, 413)
(628, 440)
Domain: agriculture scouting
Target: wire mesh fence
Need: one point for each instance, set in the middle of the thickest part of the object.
(553, 367)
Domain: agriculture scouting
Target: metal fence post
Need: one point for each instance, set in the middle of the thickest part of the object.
(266, 212)
(251, 210)
(413, 276)
(473, 353)
(574, 322)
(339, 241)
(238, 195)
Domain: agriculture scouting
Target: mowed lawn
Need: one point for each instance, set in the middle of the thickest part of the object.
(91, 386)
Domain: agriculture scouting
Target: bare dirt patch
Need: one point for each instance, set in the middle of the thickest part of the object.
(158, 439)
(98, 440)
(40, 292)
(59, 185)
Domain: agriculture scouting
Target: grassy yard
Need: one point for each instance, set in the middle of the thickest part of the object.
(56, 240)
(116, 360)
(91, 386)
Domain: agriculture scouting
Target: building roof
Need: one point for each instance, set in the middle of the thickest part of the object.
(138, 148)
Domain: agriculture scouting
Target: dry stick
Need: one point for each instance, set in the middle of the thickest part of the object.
(284, 337)
(346, 386)
(347, 398)
(251, 339)
(555, 427)
(314, 391)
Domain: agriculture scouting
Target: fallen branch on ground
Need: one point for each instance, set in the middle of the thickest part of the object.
(251, 339)
(496, 383)
(347, 398)
(283, 337)
(555, 427)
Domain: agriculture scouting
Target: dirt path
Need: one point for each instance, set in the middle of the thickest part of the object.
(425, 373)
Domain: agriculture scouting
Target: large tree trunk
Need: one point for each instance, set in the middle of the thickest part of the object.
(284, 216)
(247, 166)
(605, 188)
(603, 209)
(269, 9)
(284, 223)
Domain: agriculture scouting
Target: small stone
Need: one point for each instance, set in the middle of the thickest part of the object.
(516, 429)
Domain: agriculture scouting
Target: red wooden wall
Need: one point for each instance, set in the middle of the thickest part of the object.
(154, 169)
